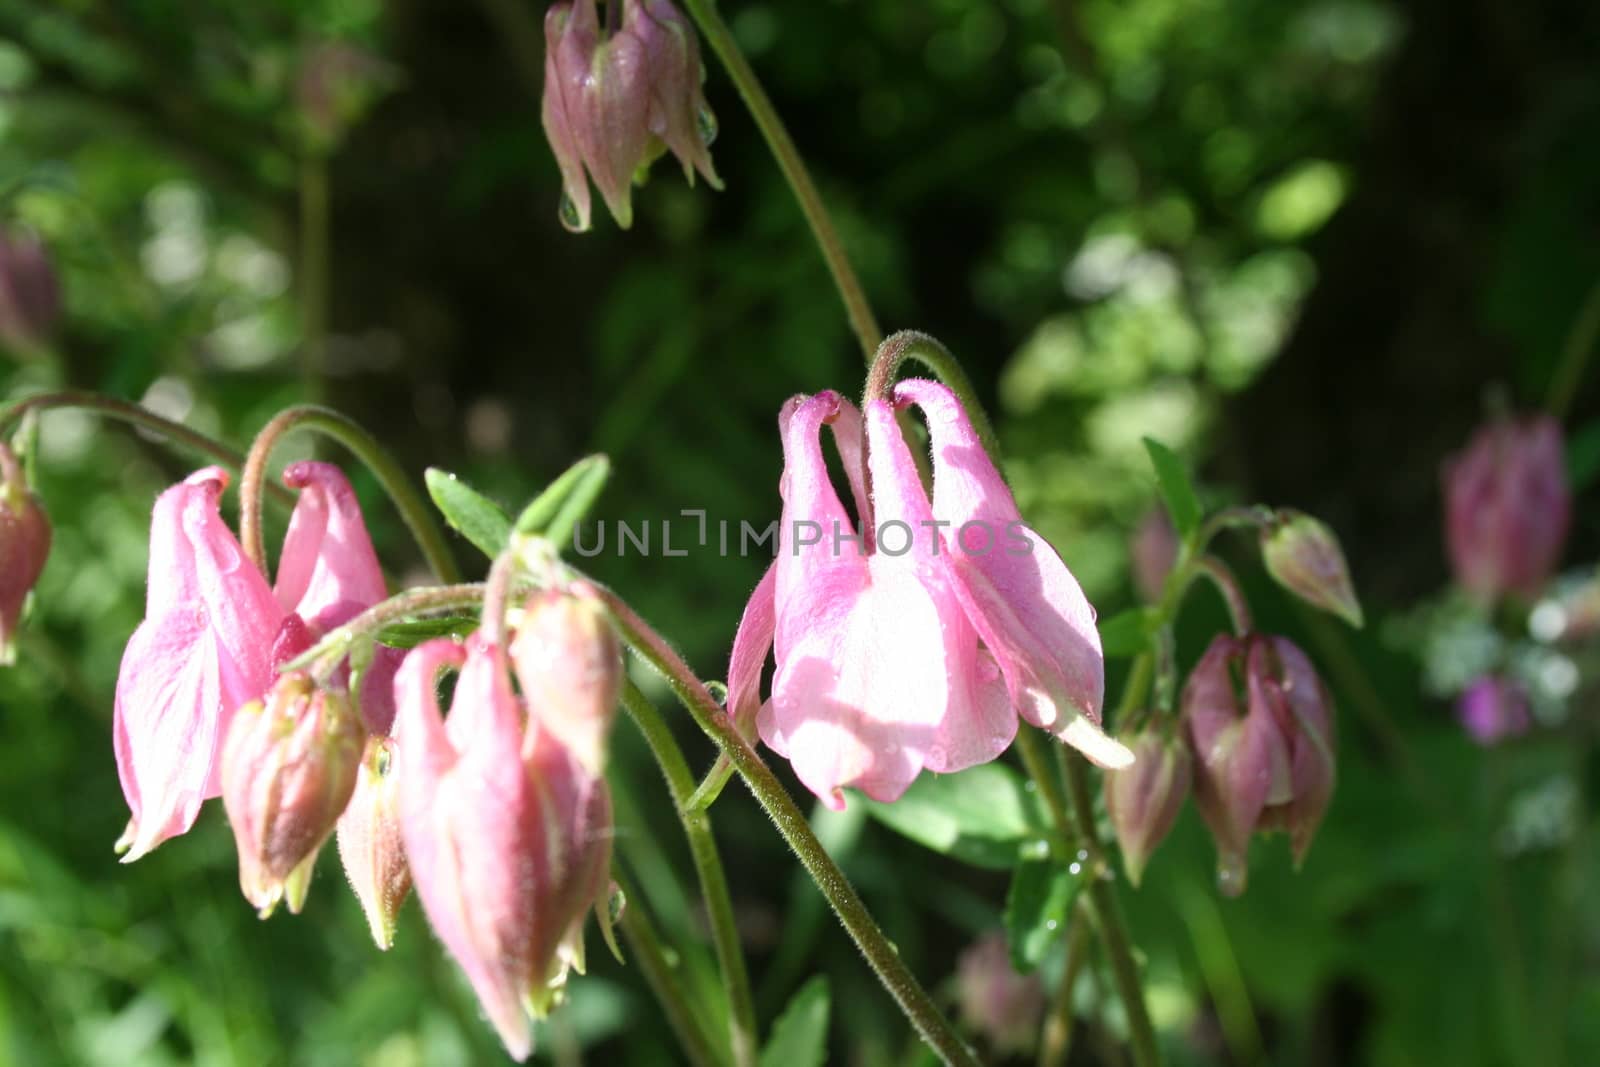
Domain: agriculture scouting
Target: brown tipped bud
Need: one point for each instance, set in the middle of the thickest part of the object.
(569, 664)
(24, 546)
(369, 840)
(1302, 554)
(288, 768)
(1261, 726)
(1144, 800)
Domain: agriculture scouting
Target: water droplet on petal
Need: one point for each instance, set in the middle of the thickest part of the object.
(707, 124)
(568, 214)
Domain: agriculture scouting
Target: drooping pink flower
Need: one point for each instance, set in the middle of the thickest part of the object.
(1264, 755)
(1508, 507)
(613, 102)
(994, 1000)
(1494, 708)
(204, 648)
(288, 766)
(507, 834)
(568, 662)
(902, 644)
(329, 573)
(24, 547)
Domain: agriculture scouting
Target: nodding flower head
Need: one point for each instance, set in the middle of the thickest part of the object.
(915, 636)
(1144, 800)
(507, 833)
(568, 662)
(615, 101)
(1260, 722)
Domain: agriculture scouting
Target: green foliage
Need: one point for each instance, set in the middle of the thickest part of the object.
(470, 513)
(800, 1035)
(987, 816)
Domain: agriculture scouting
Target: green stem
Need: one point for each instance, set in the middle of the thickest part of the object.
(794, 170)
(1580, 345)
(791, 822)
(1217, 572)
(1037, 763)
(431, 600)
(743, 1033)
(1056, 1040)
(664, 981)
(1113, 930)
(125, 411)
(912, 344)
(413, 508)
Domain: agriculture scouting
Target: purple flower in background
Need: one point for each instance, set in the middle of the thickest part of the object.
(1494, 708)
(1507, 507)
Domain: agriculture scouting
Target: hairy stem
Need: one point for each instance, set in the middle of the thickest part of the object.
(717, 34)
(743, 1033)
(431, 600)
(413, 508)
(664, 981)
(880, 953)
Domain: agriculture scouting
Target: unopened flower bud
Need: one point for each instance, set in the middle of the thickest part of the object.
(336, 83)
(1494, 708)
(1144, 800)
(614, 102)
(288, 767)
(1302, 554)
(369, 839)
(30, 295)
(1152, 551)
(1508, 507)
(1260, 723)
(569, 664)
(995, 1001)
(24, 546)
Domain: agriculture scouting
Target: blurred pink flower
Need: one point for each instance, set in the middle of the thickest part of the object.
(1508, 507)
(1152, 552)
(1494, 708)
(1004, 1007)
(24, 547)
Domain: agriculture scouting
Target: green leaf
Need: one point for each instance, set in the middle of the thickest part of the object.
(1038, 906)
(984, 816)
(1176, 489)
(413, 632)
(565, 501)
(800, 1036)
(1126, 633)
(473, 515)
(1583, 456)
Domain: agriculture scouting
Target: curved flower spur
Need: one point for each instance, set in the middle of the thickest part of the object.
(915, 638)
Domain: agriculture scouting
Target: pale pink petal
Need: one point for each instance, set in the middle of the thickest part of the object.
(558, 108)
(751, 643)
(329, 572)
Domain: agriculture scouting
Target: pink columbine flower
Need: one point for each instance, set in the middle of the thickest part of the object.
(916, 639)
(205, 648)
(24, 547)
(614, 102)
(1143, 801)
(214, 632)
(507, 834)
(370, 844)
(568, 662)
(1264, 756)
(1508, 507)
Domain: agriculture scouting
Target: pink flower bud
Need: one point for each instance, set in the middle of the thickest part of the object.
(994, 1000)
(1144, 800)
(1508, 507)
(30, 296)
(1152, 551)
(336, 83)
(613, 101)
(288, 767)
(569, 664)
(1494, 708)
(370, 845)
(1302, 554)
(507, 834)
(1260, 723)
(24, 546)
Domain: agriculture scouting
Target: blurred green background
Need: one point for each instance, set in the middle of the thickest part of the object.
(1304, 243)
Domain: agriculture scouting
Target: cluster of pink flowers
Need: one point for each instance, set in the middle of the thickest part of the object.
(498, 814)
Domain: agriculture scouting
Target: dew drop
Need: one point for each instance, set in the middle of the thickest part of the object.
(719, 691)
(1083, 855)
(1230, 877)
(707, 124)
(568, 214)
(1050, 924)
